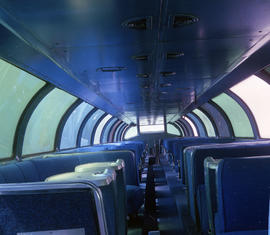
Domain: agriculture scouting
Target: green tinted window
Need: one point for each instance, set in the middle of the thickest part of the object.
(131, 132)
(87, 131)
(238, 117)
(16, 90)
(71, 129)
(100, 128)
(171, 129)
(207, 123)
(41, 128)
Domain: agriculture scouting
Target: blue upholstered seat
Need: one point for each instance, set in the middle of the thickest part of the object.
(242, 195)
(193, 163)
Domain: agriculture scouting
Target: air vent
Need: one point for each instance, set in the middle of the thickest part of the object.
(182, 20)
(165, 84)
(167, 74)
(111, 69)
(138, 23)
(174, 55)
(143, 75)
(140, 57)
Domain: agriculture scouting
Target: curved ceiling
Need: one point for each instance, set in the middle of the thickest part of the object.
(135, 59)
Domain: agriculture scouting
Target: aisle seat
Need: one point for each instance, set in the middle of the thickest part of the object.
(105, 180)
(194, 168)
(242, 195)
(119, 167)
(38, 207)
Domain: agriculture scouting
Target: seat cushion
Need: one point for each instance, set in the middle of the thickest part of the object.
(135, 198)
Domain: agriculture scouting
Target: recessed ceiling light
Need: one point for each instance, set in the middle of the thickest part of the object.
(167, 74)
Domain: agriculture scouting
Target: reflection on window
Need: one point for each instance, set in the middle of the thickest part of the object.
(131, 132)
(71, 129)
(171, 129)
(100, 127)
(194, 129)
(238, 117)
(107, 129)
(151, 128)
(87, 131)
(255, 93)
(16, 90)
(42, 126)
(207, 123)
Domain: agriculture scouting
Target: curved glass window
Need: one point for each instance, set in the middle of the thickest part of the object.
(171, 129)
(194, 129)
(71, 129)
(42, 126)
(100, 127)
(207, 123)
(107, 129)
(255, 92)
(16, 90)
(221, 123)
(131, 132)
(152, 128)
(238, 117)
(199, 124)
(87, 131)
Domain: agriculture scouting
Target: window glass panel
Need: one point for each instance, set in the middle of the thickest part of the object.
(108, 128)
(100, 127)
(238, 117)
(71, 129)
(87, 131)
(221, 124)
(207, 123)
(152, 128)
(171, 129)
(131, 132)
(42, 126)
(199, 124)
(255, 92)
(194, 129)
(16, 90)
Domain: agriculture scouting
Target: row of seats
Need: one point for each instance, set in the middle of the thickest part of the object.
(193, 173)
(38, 169)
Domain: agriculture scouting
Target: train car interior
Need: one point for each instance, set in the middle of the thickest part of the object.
(124, 117)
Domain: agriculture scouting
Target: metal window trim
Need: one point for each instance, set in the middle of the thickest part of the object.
(120, 132)
(112, 131)
(62, 123)
(104, 129)
(25, 118)
(194, 115)
(184, 128)
(211, 121)
(194, 125)
(92, 135)
(85, 120)
(187, 126)
(224, 115)
(116, 132)
(248, 112)
(124, 131)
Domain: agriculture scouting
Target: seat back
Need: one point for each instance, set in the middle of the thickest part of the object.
(27, 208)
(194, 159)
(242, 194)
